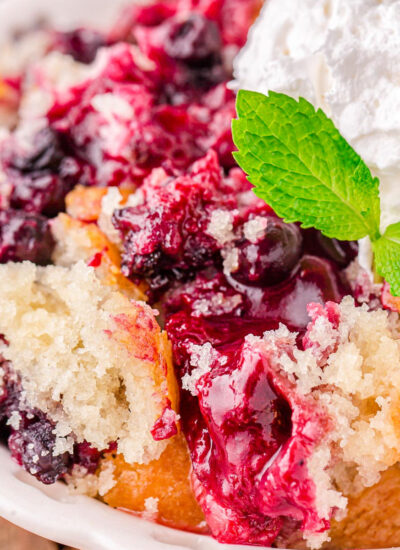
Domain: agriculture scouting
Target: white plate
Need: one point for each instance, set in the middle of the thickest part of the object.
(83, 522)
(50, 511)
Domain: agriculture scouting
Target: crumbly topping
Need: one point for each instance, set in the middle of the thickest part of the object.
(137, 198)
(17, 55)
(254, 229)
(221, 226)
(106, 479)
(87, 355)
(217, 304)
(14, 420)
(150, 508)
(202, 358)
(62, 444)
(112, 106)
(62, 71)
(231, 260)
(111, 201)
(351, 366)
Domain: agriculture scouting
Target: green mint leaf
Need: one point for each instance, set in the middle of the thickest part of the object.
(303, 168)
(387, 257)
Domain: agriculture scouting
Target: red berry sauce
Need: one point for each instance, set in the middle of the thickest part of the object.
(156, 111)
(249, 432)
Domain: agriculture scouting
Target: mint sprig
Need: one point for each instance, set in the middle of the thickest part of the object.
(307, 172)
(387, 257)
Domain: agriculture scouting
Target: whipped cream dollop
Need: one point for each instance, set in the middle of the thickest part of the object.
(343, 56)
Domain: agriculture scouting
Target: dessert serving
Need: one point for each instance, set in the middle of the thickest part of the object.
(200, 269)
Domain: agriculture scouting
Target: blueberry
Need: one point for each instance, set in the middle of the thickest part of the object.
(33, 448)
(81, 44)
(340, 252)
(272, 257)
(38, 179)
(24, 236)
(45, 155)
(193, 40)
(43, 193)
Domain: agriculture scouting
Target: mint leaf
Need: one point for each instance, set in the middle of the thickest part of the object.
(303, 168)
(387, 257)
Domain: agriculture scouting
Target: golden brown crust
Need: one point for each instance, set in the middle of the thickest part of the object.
(373, 518)
(165, 481)
(84, 203)
(9, 101)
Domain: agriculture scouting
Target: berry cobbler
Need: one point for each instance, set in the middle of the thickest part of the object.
(169, 344)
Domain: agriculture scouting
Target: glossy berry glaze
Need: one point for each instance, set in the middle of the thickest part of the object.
(155, 111)
(167, 235)
(248, 430)
(249, 442)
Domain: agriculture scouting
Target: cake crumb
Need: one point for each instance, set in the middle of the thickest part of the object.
(150, 508)
(202, 358)
(231, 260)
(14, 420)
(62, 444)
(77, 345)
(254, 229)
(106, 478)
(111, 201)
(351, 367)
(112, 106)
(80, 482)
(220, 226)
(217, 304)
